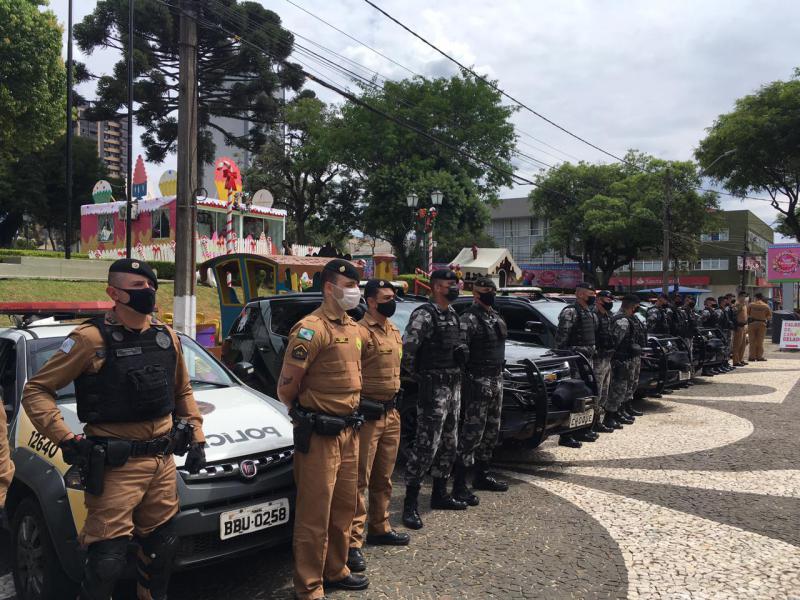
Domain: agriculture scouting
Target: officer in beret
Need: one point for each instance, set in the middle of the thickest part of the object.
(321, 384)
(433, 355)
(131, 384)
(485, 332)
(382, 350)
(577, 327)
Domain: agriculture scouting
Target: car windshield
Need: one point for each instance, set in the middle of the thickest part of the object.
(403, 313)
(550, 310)
(204, 370)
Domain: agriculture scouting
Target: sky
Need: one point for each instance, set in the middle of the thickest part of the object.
(644, 74)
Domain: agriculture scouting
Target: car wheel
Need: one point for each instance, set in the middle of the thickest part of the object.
(408, 428)
(37, 571)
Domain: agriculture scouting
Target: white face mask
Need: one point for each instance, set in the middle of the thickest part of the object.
(348, 298)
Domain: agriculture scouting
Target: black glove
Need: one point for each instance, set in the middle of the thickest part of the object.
(461, 355)
(195, 458)
(76, 450)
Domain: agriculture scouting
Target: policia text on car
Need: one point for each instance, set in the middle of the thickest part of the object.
(133, 392)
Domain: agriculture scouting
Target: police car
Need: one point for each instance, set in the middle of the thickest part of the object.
(242, 500)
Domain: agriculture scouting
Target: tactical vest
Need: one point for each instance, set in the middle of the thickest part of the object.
(487, 348)
(136, 381)
(604, 339)
(380, 365)
(625, 348)
(640, 331)
(730, 317)
(582, 333)
(436, 352)
(721, 318)
(661, 325)
(712, 320)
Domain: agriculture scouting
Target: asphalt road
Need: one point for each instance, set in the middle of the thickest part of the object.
(699, 499)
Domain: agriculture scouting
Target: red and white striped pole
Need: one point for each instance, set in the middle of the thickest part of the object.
(229, 225)
(430, 249)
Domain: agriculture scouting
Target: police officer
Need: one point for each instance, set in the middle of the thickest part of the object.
(725, 325)
(433, 354)
(6, 465)
(658, 315)
(627, 409)
(604, 351)
(576, 331)
(321, 384)
(625, 332)
(709, 318)
(676, 321)
(759, 315)
(379, 436)
(484, 332)
(130, 383)
(740, 317)
(687, 328)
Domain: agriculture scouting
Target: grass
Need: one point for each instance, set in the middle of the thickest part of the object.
(47, 290)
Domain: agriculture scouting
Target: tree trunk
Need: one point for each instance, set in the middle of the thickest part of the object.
(8, 229)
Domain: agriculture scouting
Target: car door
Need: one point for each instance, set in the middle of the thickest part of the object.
(517, 314)
(10, 380)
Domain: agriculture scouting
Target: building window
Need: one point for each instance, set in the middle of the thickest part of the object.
(647, 265)
(758, 241)
(105, 228)
(160, 228)
(718, 236)
(205, 223)
(253, 226)
(712, 264)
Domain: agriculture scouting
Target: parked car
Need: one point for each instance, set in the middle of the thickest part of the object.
(45, 505)
(532, 410)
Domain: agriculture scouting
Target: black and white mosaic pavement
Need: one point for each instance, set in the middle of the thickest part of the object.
(700, 499)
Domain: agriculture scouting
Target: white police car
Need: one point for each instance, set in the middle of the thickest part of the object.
(243, 499)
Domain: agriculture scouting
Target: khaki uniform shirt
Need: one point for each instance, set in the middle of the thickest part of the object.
(328, 348)
(6, 466)
(86, 356)
(741, 313)
(380, 359)
(759, 311)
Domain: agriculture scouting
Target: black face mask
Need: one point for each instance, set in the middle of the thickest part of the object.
(590, 301)
(142, 300)
(387, 308)
(608, 305)
(452, 293)
(487, 298)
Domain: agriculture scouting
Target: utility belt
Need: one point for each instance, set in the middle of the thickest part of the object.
(115, 452)
(756, 320)
(373, 410)
(484, 370)
(307, 422)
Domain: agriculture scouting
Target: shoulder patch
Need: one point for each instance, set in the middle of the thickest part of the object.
(67, 345)
(300, 352)
(306, 334)
(358, 343)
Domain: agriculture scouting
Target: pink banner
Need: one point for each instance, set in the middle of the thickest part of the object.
(783, 263)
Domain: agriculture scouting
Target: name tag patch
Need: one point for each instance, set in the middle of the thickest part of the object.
(305, 334)
(341, 340)
(128, 351)
(385, 350)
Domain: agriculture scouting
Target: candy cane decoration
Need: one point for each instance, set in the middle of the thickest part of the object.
(140, 250)
(430, 251)
(229, 233)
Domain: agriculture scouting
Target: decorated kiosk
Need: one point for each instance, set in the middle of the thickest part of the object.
(496, 263)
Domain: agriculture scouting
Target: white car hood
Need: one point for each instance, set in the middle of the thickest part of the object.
(237, 422)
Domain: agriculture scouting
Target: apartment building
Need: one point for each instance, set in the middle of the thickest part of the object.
(112, 141)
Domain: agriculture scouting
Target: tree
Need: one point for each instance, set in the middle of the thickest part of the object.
(303, 173)
(391, 161)
(756, 148)
(235, 80)
(603, 216)
(38, 187)
(447, 248)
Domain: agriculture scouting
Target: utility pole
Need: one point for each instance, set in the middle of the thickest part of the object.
(744, 261)
(129, 186)
(667, 231)
(68, 232)
(185, 303)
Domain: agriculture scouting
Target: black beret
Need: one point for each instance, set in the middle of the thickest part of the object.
(137, 267)
(373, 285)
(605, 294)
(343, 267)
(484, 282)
(584, 286)
(444, 274)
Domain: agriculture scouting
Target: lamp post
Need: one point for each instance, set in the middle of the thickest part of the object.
(425, 218)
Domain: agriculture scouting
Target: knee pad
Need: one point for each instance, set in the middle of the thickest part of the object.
(160, 547)
(105, 563)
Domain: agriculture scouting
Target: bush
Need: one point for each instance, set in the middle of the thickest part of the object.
(164, 270)
(38, 253)
(411, 277)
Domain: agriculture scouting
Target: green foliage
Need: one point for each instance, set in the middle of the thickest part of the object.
(32, 81)
(164, 270)
(603, 216)
(4, 252)
(756, 148)
(390, 161)
(234, 79)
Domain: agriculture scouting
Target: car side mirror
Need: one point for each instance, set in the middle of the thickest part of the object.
(243, 370)
(534, 327)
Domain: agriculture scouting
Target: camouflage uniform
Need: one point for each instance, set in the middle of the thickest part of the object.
(623, 372)
(482, 392)
(641, 339)
(658, 320)
(568, 321)
(439, 400)
(601, 362)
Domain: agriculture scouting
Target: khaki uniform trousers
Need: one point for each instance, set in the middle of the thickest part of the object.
(138, 497)
(377, 453)
(757, 331)
(739, 344)
(326, 477)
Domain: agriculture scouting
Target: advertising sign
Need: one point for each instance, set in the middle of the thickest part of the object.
(790, 335)
(783, 263)
(655, 280)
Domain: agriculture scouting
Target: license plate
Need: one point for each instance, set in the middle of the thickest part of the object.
(580, 419)
(683, 375)
(249, 519)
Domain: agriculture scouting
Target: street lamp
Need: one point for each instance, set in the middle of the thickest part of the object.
(425, 218)
(412, 199)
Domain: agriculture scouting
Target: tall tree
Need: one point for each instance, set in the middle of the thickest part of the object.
(235, 80)
(391, 161)
(32, 94)
(756, 148)
(304, 174)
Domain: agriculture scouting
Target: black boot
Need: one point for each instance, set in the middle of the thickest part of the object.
(586, 435)
(483, 481)
(410, 509)
(633, 411)
(610, 420)
(601, 427)
(566, 439)
(623, 418)
(441, 499)
(623, 412)
(461, 491)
